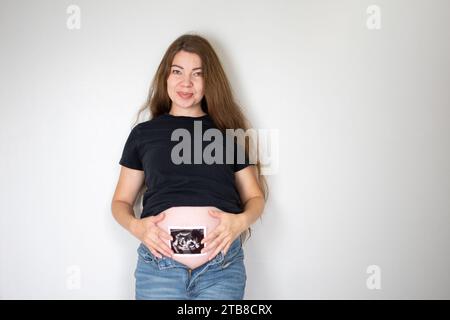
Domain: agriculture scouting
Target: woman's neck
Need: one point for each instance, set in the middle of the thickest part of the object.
(196, 112)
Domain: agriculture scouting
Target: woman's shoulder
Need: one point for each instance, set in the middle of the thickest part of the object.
(153, 122)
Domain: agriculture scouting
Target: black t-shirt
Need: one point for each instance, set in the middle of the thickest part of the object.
(149, 148)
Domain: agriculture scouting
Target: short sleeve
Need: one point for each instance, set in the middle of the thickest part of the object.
(130, 154)
(242, 161)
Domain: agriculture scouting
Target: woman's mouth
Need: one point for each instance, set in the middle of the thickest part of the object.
(185, 95)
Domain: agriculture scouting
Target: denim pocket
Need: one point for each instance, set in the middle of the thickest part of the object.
(145, 254)
(234, 253)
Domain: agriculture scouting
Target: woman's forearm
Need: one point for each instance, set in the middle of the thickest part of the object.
(124, 214)
(253, 208)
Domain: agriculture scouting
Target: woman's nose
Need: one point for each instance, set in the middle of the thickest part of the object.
(187, 80)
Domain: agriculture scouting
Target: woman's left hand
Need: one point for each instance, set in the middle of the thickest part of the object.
(229, 228)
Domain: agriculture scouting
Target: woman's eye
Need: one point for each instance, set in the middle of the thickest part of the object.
(179, 72)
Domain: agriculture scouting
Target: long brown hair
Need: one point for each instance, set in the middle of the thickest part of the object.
(218, 100)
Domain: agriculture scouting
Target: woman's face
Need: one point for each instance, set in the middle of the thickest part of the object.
(186, 76)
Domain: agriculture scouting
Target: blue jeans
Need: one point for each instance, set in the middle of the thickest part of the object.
(221, 278)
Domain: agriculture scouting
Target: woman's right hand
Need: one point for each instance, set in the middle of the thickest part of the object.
(152, 236)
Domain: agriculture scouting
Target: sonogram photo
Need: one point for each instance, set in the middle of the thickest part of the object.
(187, 240)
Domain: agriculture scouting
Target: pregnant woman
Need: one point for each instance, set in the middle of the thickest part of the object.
(201, 192)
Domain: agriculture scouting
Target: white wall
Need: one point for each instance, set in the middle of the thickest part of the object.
(364, 158)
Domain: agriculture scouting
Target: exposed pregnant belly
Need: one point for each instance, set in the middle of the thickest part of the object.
(188, 226)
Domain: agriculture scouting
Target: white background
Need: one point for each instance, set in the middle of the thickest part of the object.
(363, 117)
